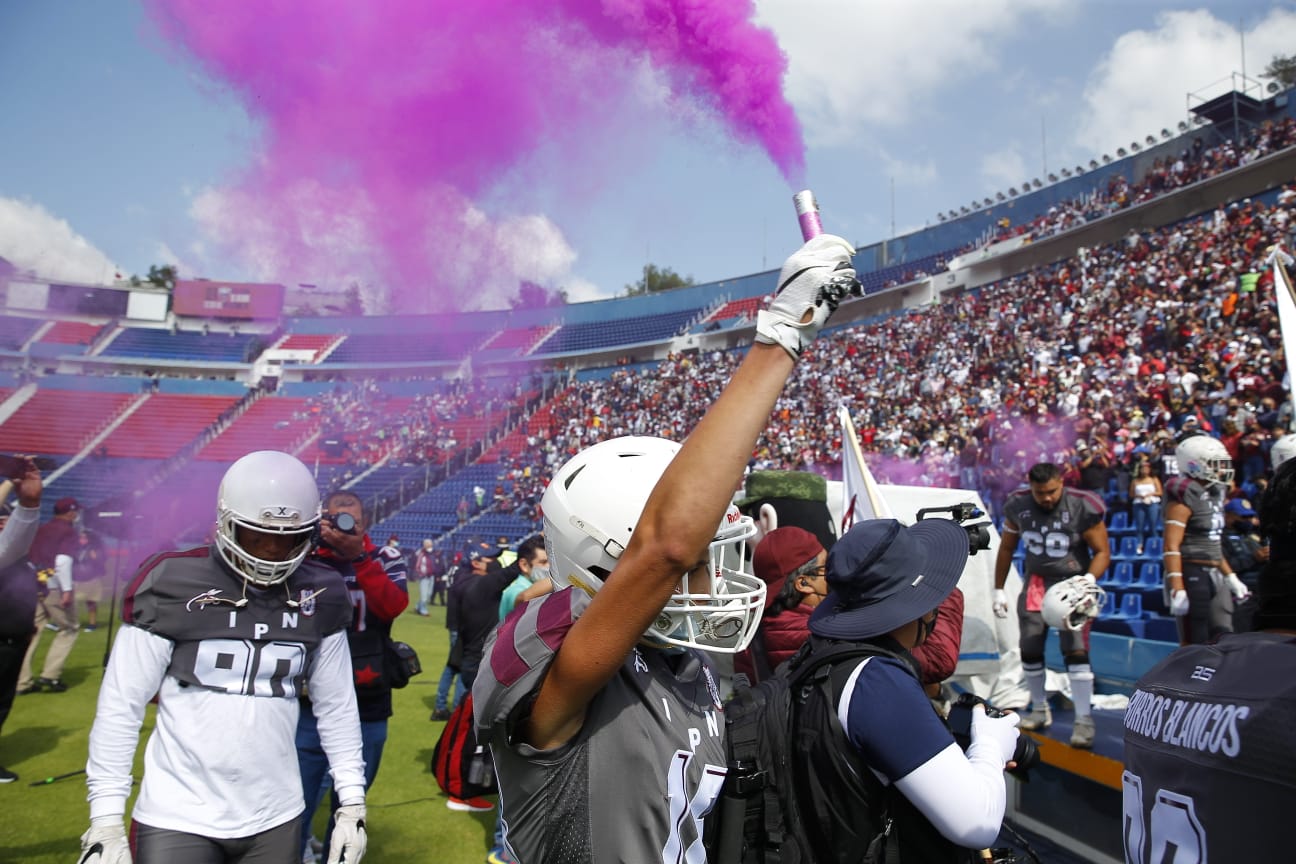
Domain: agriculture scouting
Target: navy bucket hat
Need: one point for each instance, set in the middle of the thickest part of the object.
(882, 575)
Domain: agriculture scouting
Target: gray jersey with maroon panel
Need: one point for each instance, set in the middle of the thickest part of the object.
(1210, 753)
(637, 781)
(1054, 539)
(1204, 533)
(260, 649)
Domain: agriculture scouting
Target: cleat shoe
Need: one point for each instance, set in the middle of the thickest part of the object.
(499, 855)
(7, 776)
(470, 805)
(1040, 718)
(50, 685)
(1082, 734)
(440, 714)
(34, 687)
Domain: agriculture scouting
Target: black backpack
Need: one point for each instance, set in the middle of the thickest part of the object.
(771, 728)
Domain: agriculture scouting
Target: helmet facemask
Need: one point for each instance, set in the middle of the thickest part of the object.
(260, 571)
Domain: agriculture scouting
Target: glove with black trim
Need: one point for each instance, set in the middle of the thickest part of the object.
(813, 281)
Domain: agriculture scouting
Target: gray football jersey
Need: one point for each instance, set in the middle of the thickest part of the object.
(1053, 540)
(636, 783)
(1204, 533)
(263, 648)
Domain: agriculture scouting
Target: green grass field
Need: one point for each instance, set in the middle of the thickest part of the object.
(46, 735)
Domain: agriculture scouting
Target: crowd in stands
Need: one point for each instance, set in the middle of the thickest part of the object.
(1196, 162)
(1118, 348)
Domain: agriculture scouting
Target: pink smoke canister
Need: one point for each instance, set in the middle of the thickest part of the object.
(807, 214)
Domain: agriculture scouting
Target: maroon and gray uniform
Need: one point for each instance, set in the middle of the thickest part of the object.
(1210, 753)
(1055, 551)
(638, 780)
(220, 762)
(1210, 605)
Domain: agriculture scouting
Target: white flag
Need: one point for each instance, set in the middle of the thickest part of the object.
(861, 497)
(1286, 303)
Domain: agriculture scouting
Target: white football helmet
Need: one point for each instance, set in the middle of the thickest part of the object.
(274, 493)
(591, 508)
(1206, 459)
(1068, 605)
(1282, 450)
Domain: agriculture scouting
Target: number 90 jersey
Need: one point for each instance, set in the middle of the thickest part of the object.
(1210, 754)
(1053, 540)
(259, 649)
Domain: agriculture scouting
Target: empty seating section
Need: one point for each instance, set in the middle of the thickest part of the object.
(435, 512)
(316, 342)
(182, 345)
(745, 307)
(269, 424)
(72, 333)
(164, 424)
(14, 332)
(93, 480)
(60, 421)
(593, 335)
(519, 340)
(899, 274)
(397, 347)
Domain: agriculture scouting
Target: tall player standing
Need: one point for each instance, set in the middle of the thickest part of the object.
(226, 636)
(602, 715)
(1064, 534)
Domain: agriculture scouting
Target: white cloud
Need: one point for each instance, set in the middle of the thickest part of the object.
(1003, 168)
(33, 239)
(1141, 86)
(855, 66)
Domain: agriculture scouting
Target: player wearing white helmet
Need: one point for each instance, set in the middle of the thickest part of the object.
(1282, 450)
(1199, 583)
(602, 713)
(226, 636)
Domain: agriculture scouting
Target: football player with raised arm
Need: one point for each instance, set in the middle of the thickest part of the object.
(598, 700)
(225, 636)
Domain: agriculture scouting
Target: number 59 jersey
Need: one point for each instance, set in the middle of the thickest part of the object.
(1210, 754)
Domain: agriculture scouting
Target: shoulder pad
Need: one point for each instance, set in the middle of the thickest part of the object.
(1177, 487)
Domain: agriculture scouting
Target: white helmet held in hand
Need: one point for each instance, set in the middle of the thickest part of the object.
(591, 508)
(1068, 605)
(273, 493)
(1283, 449)
(1206, 459)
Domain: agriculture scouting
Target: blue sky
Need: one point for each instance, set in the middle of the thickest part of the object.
(114, 144)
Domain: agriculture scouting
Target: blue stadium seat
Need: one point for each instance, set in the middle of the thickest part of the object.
(1127, 550)
(1149, 575)
(1108, 608)
(1120, 523)
(1121, 574)
(1131, 605)
(1153, 548)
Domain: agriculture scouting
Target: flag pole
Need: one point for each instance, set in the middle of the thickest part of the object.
(1285, 296)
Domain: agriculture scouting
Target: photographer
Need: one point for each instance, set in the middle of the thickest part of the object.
(17, 584)
(886, 581)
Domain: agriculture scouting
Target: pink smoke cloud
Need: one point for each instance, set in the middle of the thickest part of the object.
(405, 115)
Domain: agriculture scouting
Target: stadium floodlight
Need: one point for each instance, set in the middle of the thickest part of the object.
(1183, 127)
(1165, 133)
(999, 196)
(1093, 164)
(953, 215)
(1012, 191)
(1036, 183)
(1106, 159)
(963, 211)
(940, 217)
(987, 202)
(1134, 146)
(1121, 153)
(1079, 170)
(1052, 178)
(1149, 140)
(1066, 172)
(1200, 120)
(1273, 87)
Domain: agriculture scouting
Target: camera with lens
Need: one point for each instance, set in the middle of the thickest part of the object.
(963, 513)
(960, 722)
(343, 522)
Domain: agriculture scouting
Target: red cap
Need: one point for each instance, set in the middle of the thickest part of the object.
(66, 505)
(779, 553)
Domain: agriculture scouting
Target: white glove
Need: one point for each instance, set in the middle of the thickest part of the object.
(813, 281)
(1238, 587)
(105, 842)
(347, 845)
(1089, 577)
(1179, 603)
(1001, 603)
(1002, 732)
